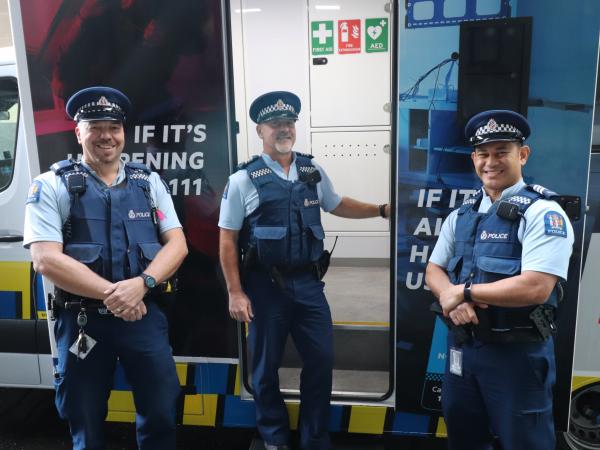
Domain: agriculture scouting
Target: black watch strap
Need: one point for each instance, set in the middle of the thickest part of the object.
(467, 291)
(382, 210)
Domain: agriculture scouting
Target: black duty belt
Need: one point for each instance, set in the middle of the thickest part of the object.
(291, 270)
(515, 335)
(541, 317)
(75, 303)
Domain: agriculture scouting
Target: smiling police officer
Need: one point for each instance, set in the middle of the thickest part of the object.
(495, 269)
(271, 213)
(107, 235)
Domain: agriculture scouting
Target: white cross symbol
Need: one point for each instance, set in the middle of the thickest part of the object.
(382, 23)
(322, 33)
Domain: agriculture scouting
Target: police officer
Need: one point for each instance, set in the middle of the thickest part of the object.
(107, 235)
(271, 212)
(494, 271)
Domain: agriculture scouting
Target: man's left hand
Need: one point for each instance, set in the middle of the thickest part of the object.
(451, 297)
(124, 296)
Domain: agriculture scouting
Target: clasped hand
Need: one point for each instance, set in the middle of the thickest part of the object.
(125, 299)
(454, 306)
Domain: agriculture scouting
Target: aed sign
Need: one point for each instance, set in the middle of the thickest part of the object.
(349, 36)
(376, 35)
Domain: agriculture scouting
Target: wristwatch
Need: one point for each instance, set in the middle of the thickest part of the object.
(149, 281)
(467, 291)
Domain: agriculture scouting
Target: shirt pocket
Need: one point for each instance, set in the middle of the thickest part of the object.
(317, 234)
(495, 268)
(453, 269)
(147, 253)
(271, 243)
(89, 254)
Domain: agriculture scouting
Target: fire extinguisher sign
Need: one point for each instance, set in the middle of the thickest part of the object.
(349, 36)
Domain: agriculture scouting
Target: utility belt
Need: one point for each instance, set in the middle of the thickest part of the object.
(71, 302)
(541, 328)
(277, 272)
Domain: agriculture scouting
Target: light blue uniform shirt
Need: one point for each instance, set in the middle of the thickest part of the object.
(44, 218)
(541, 252)
(240, 198)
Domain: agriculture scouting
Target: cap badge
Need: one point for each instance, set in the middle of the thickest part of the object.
(492, 125)
(102, 101)
(279, 104)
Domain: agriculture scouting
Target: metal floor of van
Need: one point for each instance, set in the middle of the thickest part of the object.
(358, 296)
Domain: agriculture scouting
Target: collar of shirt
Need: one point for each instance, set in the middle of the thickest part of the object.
(486, 201)
(120, 176)
(292, 175)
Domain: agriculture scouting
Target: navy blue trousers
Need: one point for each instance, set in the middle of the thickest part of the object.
(83, 386)
(301, 310)
(505, 390)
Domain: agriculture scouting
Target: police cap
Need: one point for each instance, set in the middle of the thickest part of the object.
(98, 103)
(275, 105)
(497, 125)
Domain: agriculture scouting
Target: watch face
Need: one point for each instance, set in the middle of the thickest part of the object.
(150, 282)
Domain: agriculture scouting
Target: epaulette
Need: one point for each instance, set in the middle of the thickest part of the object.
(138, 166)
(63, 166)
(546, 193)
(306, 155)
(243, 165)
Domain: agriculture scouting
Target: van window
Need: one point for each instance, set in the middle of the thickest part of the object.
(9, 122)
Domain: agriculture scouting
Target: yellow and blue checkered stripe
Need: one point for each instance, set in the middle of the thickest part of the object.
(211, 397)
(16, 300)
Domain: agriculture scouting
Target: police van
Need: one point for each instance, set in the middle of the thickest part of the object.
(385, 88)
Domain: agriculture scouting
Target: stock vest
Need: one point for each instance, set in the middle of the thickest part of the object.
(487, 249)
(113, 229)
(286, 226)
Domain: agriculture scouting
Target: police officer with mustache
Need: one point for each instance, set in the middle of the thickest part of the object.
(270, 212)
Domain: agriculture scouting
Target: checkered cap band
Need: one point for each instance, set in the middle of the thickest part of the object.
(100, 106)
(278, 106)
(496, 128)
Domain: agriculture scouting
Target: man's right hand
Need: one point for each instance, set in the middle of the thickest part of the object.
(240, 307)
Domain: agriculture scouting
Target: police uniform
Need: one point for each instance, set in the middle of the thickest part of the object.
(114, 231)
(278, 216)
(499, 379)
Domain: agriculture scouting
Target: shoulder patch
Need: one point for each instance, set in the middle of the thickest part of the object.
(35, 191)
(555, 224)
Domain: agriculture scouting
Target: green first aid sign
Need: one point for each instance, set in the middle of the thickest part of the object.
(376, 35)
(322, 37)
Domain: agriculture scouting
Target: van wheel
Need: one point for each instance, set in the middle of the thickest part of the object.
(584, 422)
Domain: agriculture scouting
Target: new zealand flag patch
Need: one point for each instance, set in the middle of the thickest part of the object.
(35, 190)
(554, 224)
